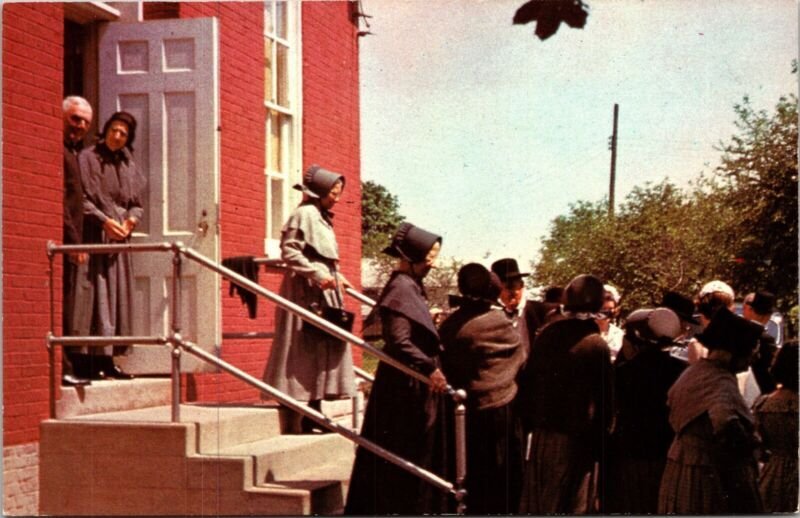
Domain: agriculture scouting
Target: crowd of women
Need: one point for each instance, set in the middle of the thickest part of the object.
(558, 422)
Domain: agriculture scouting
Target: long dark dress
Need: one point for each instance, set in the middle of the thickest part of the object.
(711, 467)
(403, 415)
(642, 434)
(308, 365)
(567, 408)
(776, 422)
(113, 188)
(482, 354)
(72, 235)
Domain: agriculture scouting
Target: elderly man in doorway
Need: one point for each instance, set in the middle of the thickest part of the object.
(77, 119)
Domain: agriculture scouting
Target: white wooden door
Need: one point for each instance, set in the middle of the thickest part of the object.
(165, 73)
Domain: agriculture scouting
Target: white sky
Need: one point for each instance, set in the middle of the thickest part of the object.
(485, 133)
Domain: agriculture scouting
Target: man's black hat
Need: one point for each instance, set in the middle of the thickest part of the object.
(507, 270)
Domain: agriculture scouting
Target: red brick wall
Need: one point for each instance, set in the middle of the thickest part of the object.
(32, 206)
(242, 184)
(330, 126)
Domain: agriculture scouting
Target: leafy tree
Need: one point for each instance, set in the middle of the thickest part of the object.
(574, 245)
(657, 241)
(380, 217)
(760, 163)
(442, 281)
(739, 225)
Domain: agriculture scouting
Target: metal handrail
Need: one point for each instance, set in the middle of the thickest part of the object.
(179, 249)
(360, 297)
(320, 418)
(280, 264)
(311, 317)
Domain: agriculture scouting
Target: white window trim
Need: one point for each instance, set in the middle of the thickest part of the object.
(291, 197)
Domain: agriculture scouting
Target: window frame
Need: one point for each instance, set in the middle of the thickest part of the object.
(290, 135)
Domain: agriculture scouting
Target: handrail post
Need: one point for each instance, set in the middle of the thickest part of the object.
(51, 353)
(176, 378)
(358, 404)
(461, 449)
(176, 329)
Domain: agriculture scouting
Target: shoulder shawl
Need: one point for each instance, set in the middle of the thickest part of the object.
(405, 295)
(317, 231)
(98, 161)
(706, 387)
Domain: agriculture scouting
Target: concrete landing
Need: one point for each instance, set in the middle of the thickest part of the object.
(113, 395)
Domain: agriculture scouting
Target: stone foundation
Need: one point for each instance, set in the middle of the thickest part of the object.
(21, 480)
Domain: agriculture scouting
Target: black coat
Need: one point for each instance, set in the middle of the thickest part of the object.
(642, 427)
(568, 383)
(403, 415)
(73, 197)
(762, 361)
(72, 234)
(482, 354)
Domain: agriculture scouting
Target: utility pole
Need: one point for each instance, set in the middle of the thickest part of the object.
(613, 146)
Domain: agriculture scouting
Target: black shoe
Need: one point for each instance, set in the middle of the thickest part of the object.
(117, 374)
(70, 380)
(310, 426)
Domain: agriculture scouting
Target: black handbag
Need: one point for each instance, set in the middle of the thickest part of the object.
(339, 317)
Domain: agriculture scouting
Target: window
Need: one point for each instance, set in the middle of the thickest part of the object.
(282, 73)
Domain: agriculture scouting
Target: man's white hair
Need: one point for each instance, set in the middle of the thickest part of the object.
(75, 99)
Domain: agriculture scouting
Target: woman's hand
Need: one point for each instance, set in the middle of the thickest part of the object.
(328, 283)
(129, 224)
(114, 230)
(78, 257)
(438, 381)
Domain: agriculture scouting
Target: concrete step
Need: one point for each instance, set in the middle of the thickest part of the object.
(219, 427)
(280, 458)
(337, 471)
(228, 460)
(113, 395)
(325, 497)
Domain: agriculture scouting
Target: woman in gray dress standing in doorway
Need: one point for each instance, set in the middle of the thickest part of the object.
(112, 207)
(307, 364)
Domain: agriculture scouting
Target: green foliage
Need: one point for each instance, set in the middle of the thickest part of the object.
(740, 225)
(656, 241)
(442, 281)
(380, 217)
(761, 164)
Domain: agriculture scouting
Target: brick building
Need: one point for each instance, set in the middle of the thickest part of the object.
(248, 94)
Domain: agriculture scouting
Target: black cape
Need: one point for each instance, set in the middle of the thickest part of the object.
(402, 414)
